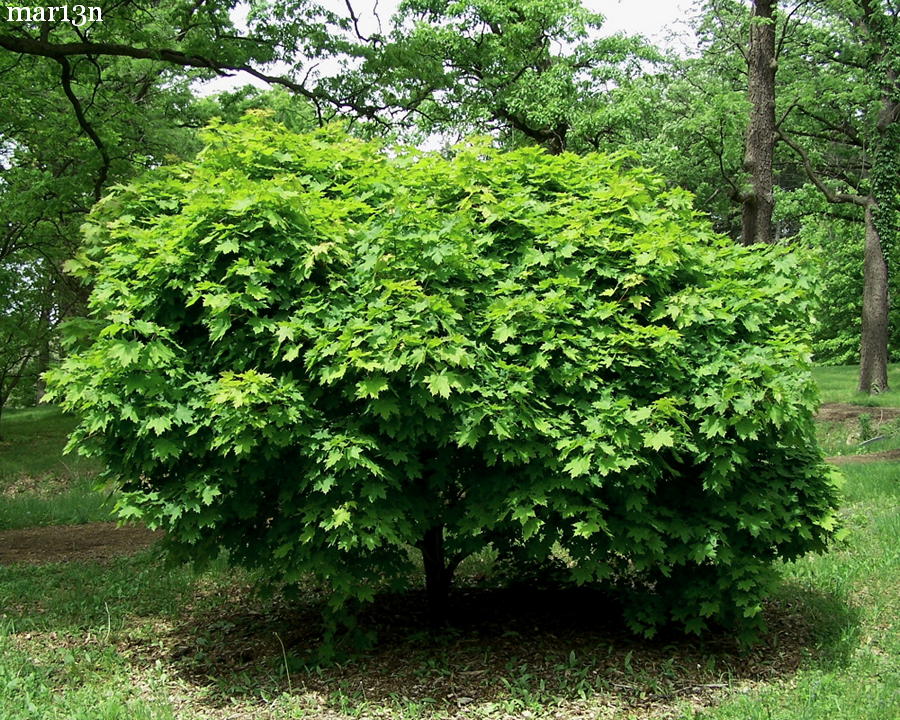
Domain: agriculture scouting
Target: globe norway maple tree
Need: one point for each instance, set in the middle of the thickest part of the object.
(318, 355)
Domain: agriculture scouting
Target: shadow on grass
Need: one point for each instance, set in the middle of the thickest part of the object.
(515, 648)
(831, 628)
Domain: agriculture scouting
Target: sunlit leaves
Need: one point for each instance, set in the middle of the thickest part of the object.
(659, 439)
(379, 356)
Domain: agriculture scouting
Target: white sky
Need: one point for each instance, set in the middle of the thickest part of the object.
(661, 21)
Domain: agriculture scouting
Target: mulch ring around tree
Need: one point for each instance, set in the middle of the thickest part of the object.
(67, 543)
(832, 412)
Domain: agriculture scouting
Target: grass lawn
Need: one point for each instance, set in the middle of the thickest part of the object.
(131, 638)
(38, 485)
(837, 384)
(874, 427)
(31, 444)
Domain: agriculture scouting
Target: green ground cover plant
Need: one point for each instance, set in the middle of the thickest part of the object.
(317, 354)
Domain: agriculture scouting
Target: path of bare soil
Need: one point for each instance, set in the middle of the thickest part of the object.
(835, 412)
(66, 543)
(867, 458)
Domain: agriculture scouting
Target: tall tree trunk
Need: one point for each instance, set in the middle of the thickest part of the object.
(878, 35)
(43, 365)
(9, 379)
(883, 208)
(438, 575)
(873, 360)
(759, 150)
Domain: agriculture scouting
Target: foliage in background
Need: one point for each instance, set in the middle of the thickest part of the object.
(23, 298)
(52, 172)
(317, 354)
(842, 124)
(835, 239)
(534, 71)
(837, 327)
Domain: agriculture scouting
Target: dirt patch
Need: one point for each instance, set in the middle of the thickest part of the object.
(66, 543)
(41, 485)
(835, 412)
(867, 458)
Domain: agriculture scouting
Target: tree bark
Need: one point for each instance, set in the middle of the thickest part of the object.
(43, 365)
(3, 397)
(438, 575)
(9, 379)
(881, 205)
(43, 354)
(759, 150)
(883, 209)
(873, 357)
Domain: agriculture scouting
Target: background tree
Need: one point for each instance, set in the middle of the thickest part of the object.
(534, 71)
(834, 90)
(21, 330)
(847, 104)
(79, 123)
(51, 173)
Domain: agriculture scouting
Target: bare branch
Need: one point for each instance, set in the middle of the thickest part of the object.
(55, 51)
(378, 19)
(720, 153)
(829, 193)
(66, 77)
(845, 129)
(784, 115)
(355, 19)
(785, 33)
(736, 43)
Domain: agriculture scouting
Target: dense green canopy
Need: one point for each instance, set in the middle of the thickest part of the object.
(318, 353)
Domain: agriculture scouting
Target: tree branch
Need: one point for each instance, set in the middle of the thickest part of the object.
(845, 130)
(355, 19)
(785, 33)
(829, 193)
(55, 51)
(66, 77)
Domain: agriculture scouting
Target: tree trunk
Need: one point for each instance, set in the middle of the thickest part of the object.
(8, 382)
(438, 575)
(759, 151)
(43, 356)
(3, 397)
(882, 224)
(873, 356)
(43, 365)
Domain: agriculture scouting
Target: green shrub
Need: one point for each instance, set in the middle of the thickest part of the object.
(319, 354)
